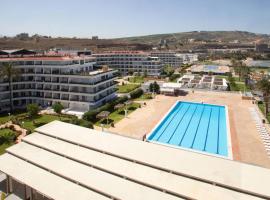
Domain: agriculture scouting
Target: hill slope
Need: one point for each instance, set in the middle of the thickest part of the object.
(182, 41)
(207, 36)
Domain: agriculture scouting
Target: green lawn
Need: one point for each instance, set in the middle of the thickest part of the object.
(239, 86)
(40, 120)
(5, 144)
(5, 118)
(144, 97)
(136, 79)
(117, 115)
(220, 76)
(127, 88)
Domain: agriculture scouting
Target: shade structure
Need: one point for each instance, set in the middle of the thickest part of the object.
(103, 115)
(119, 106)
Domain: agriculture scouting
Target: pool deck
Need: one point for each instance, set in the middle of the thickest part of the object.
(247, 145)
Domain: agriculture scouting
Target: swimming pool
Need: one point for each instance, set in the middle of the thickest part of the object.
(197, 126)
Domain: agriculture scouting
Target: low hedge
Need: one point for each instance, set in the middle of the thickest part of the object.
(136, 93)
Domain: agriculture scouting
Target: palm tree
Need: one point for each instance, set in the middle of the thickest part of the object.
(264, 86)
(8, 71)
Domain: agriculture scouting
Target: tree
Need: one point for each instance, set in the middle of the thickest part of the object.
(32, 109)
(264, 86)
(154, 87)
(9, 72)
(58, 107)
(168, 70)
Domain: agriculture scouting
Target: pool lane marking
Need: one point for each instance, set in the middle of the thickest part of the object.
(207, 129)
(185, 132)
(179, 109)
(198, 127)
(179, 123)
(218, 131)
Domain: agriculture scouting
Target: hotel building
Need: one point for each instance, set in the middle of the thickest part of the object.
(49, 78)
(175, 59)
(131, 61)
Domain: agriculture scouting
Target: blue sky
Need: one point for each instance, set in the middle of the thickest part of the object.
(120, 18)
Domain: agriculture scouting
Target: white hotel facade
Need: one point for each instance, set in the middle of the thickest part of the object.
(68, 79)
(140, 62)
(175, 59)
(131, 61)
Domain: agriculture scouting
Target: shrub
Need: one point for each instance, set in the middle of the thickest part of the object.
(136, 93)
(85, 124)
(32, 109)
(90, 115)
(58, 107)
(174, 76)
(7, 136)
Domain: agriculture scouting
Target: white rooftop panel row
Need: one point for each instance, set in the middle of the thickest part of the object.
(43, 181)
(239, 176)
(95, 179)
(134, 171)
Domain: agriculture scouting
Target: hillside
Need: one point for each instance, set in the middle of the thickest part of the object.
(45, 43)
(181, 41)
(207, 36)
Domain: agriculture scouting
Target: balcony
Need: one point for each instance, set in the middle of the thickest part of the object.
(65, 98)
(64, 89)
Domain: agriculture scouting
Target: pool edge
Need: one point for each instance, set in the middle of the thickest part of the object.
(229, 143)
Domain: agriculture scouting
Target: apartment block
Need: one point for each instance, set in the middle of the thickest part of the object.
(131, 61)
(48, 78)
(175, 59)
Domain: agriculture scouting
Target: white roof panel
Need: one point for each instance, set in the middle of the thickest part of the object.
(225, 172)
(141, 173)
(97, 180)
(44, 181)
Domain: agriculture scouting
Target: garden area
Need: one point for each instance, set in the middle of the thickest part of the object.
(115, 110)
(136, 79)
(237, 85)
(127, 88)
(117, 115)
(145, 96)
(25, 122)
(7, 138)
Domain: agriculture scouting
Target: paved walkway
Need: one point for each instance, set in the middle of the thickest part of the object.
(246, 142)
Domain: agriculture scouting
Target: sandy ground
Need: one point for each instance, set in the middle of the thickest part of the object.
(246, 142)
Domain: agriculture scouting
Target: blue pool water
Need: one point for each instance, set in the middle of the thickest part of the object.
(196, 126)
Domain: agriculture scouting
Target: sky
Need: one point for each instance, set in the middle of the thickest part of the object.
(123, 18)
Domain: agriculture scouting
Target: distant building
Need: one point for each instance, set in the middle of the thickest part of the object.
(131, 62)
(169, 58)
(53, 77)
(175, 59)
(262, 48)
(94, 37)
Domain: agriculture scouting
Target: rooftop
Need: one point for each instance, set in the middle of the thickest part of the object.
(99, 165)
(29, 55)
